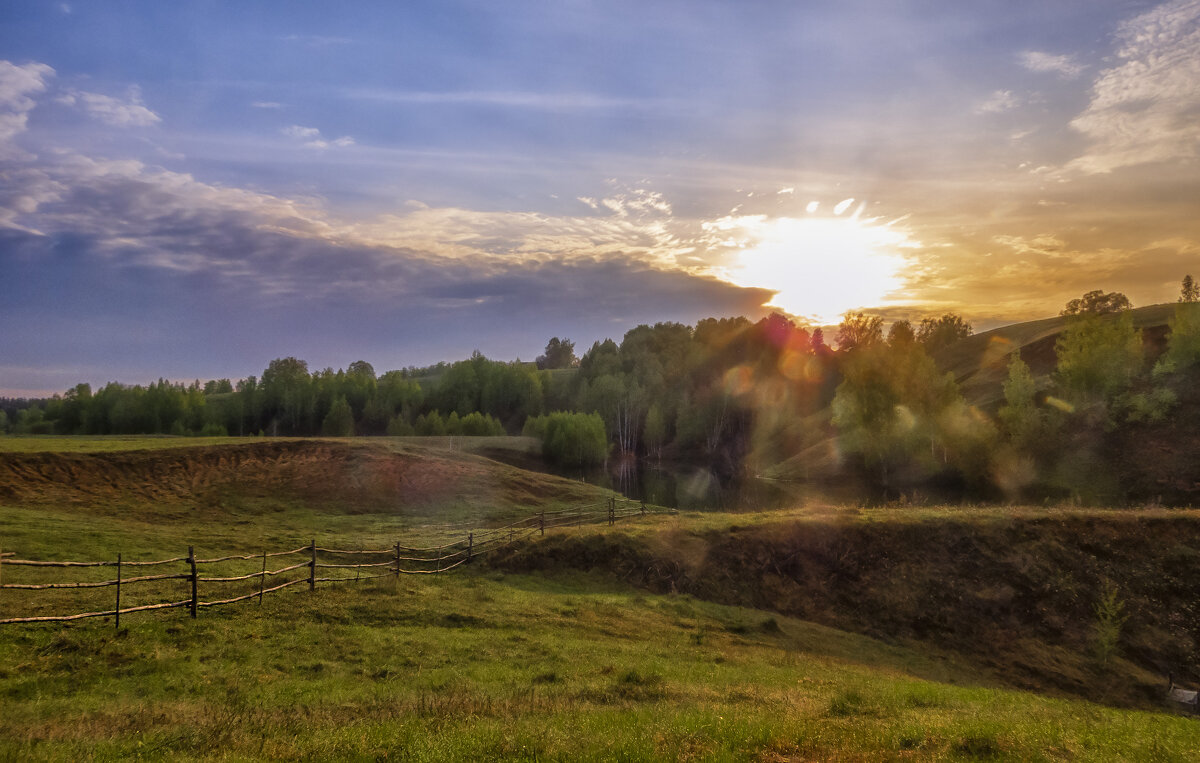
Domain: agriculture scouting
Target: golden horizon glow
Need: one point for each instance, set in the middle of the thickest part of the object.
(819, 266)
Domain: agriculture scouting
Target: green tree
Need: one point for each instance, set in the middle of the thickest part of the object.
(1098, 302)
(1020, 415)
(339, 422)
(901, 333)
(570, 439)
(430, 425)
(603, 358)
(818, 341)
(32, 420)
(560, 353)
(888, 406)
(399, 427)
(1188, 291)
(1183, 341)
(358, 385)
(859, 330)
(1099, 357)
(288, 400)
(218, 387)
(655, 431)
(396, 395)
(936, 333)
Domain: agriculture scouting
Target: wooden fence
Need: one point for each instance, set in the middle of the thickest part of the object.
(323, 564)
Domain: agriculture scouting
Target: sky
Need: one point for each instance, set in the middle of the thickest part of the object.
(191, 189)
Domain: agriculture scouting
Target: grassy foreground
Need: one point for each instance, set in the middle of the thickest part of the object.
(475, 664)
(479, 666)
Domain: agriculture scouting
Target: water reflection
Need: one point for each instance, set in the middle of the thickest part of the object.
(696, 488)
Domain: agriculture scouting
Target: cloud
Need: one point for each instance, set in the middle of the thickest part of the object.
(1063, 65)
(1145, 108)
(301, 133)
(17, 84)
(1045, 244)
(266, 104)
(130, 112)
(167, 268)
(311, 137)
(636, 202)
(999, 101)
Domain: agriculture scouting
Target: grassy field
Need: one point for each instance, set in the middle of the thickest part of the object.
(119, 443)
(111, 443)
(567, 663)
(483, 666)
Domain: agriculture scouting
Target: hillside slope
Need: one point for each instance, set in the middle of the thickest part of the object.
(1017, 593)
(980, 362)
(363, 476)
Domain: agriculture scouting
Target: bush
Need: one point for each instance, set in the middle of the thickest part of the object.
(398, 427)
(570, 439)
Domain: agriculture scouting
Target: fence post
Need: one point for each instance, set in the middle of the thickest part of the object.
(643, 507)
(192, 561)
(358, 570)
(118, 590)
(470, 545)
(312, 567)
(542, 521)
(262, 579)
(397, 560)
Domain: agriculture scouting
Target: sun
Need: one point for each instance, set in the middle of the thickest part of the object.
(819, 266)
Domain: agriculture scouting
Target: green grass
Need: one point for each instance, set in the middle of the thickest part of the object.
(478, 666)
(111, 443)
(119, 443)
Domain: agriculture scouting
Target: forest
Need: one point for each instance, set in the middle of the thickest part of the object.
(737, 396)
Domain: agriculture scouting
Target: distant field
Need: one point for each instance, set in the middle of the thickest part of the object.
(116, 443)
(107, 443)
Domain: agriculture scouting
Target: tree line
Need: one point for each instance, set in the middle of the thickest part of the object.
(734, 394)
(717, 391)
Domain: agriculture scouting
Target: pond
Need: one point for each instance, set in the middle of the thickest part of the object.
(698, 488)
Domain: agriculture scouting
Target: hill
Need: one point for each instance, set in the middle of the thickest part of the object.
(979, 363)
(169, 476)
(1017, 593)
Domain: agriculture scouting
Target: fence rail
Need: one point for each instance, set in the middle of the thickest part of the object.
(393, 562)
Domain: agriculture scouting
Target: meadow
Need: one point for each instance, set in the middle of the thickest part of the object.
(568, 661)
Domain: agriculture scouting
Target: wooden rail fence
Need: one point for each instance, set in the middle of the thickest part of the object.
(323, 564)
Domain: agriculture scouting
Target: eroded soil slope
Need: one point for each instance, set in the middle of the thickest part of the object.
(355, 477)
(1018, 595)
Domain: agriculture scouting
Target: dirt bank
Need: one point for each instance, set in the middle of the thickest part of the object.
(355, 477)
(1018, 595)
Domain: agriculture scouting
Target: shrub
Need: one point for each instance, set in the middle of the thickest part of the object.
(570, 439)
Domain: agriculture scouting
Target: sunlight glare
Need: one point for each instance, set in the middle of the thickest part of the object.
(819, 266)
